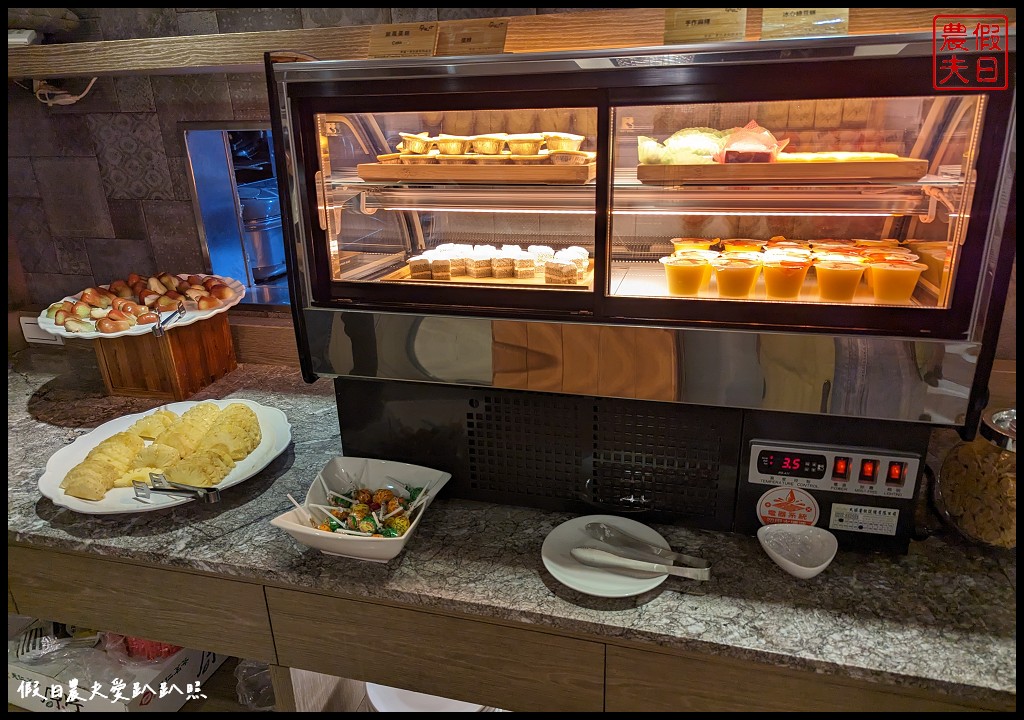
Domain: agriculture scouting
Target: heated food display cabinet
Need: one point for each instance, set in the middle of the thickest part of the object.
(721, 285)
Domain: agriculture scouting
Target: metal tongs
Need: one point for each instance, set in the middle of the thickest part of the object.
(694, 568)
(174, 314)
(160, 484)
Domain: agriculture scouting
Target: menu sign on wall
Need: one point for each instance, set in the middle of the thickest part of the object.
(472, 37)
(804, 22)
(402, 40)
(687, 25)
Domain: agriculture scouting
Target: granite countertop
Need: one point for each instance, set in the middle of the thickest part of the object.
(942, 617)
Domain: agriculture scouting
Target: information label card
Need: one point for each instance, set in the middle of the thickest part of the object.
(403, 40)
(687, 25)
(471, 37)
(804, 22)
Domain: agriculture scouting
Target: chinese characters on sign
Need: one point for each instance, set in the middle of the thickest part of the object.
(76, 696)
(471, 37)
(779, 23)
(970, 52)
(686, 25)
(402, 40)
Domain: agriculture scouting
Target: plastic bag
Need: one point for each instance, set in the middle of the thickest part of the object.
(45, 641)
(254, 688)
(751, 143)
(134, 650)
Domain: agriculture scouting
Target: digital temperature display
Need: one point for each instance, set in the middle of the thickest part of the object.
(791, 464)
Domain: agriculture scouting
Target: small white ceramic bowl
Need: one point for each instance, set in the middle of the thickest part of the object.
(345, 475)
(801, 550)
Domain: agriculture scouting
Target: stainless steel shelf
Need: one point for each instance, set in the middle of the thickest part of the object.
(633, 198)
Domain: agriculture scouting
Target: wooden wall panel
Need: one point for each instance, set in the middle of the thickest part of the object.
(243, 52)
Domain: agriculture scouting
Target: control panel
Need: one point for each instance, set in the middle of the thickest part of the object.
(858, 470)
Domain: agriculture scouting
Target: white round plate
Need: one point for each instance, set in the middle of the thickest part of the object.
(591, 580)
(192, 314)
(274, 425)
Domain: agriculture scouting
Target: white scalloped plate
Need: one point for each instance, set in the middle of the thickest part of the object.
(274, 425)
(192, 314)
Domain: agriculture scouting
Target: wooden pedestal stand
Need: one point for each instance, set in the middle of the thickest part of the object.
(176, 366)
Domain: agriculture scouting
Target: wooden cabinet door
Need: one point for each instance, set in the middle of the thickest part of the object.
(639, 680)
(480, 662)
(200, 612)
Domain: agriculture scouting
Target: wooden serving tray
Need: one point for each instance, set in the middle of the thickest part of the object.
(730, 173)
(402, 274)
(496, 172)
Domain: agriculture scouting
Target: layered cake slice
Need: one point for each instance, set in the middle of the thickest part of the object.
(560, 272)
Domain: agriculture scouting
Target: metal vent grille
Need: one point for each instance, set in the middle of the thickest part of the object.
(652, 60)
(627, 247)
(649, 456)
(523, 446)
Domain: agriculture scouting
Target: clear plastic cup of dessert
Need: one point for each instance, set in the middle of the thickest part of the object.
(680, 243)
(873, 256)
(876, 244)
(753, 255)
(742, 245)
(893, 281)
(838, 280)
(787, 245)
(685, 274)
(831, 242)
(709, 255)
(736, 276)
(784, 277)
(797, 254)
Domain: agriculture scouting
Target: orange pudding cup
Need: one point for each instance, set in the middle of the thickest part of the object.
(736, 276)
(838, 279)
(894, 281)
(742, 245)
(784, 278)
(680, 244)
(787, 245)
(707, 255)
(791, 254)
(877, 244)
(685, 275)
(875, 256)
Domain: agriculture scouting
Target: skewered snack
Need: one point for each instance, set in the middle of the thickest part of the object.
(377, 513)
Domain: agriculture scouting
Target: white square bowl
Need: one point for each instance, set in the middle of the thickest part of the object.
(345, 475)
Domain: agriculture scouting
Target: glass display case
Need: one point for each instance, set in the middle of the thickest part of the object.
(818, 187)
(614, 280)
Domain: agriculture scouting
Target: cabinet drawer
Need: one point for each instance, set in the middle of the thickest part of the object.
(656, 682)
(224, 616)
(470, 660)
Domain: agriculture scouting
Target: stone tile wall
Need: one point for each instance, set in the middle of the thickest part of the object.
(100, 188)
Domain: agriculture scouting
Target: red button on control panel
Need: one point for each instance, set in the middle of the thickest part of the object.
(841, 468)
(894, 476)
(868, 471)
